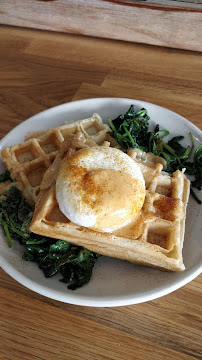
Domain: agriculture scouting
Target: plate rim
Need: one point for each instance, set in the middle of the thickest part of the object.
(83, 300)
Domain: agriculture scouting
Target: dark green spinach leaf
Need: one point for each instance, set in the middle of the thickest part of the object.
(131, 131)
(5, 176)
(74, 263)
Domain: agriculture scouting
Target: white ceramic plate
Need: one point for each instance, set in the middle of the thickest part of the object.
(114, 282)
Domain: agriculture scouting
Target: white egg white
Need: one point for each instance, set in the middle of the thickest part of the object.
(70, 193)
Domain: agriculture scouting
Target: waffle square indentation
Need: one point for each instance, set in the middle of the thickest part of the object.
(35, 173)
(26, 153)
(50, 144)
(92, 128)
(160, 235)
(68, 129)
(164, 187)
(55, 215)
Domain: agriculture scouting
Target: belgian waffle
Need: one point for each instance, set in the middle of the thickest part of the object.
(155, 238)
(28, 161)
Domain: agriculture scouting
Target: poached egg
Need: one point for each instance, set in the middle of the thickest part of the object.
(100, 188)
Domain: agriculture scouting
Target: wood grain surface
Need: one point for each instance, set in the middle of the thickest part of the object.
(39, 70)
(136, 21)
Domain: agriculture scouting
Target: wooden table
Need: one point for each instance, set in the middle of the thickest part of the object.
(39, 70)
(175, 24)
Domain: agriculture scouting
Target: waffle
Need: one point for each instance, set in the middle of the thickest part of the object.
(155, 238)
(27, 162)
